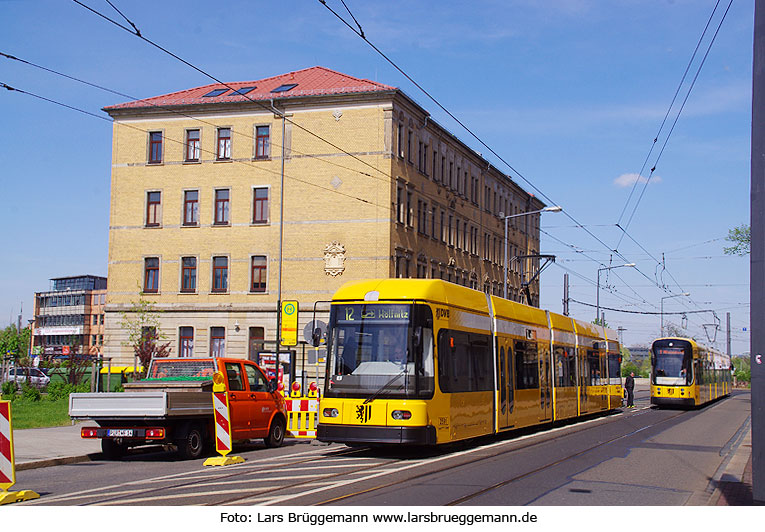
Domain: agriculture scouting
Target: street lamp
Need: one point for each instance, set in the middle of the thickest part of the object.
(662, 308)
(597, 297)
(553, 208)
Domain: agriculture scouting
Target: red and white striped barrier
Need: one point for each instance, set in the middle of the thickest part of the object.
(7, 463)
(222, 424)
(7, 468)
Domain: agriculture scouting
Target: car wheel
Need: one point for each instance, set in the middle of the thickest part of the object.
(113, 449)
(276, 433)
(192, 446)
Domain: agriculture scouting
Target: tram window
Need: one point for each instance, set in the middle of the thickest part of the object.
(565, 366)
(502, 387)
(526, 365)
(614, 368)
(464, 362)
(593, 368)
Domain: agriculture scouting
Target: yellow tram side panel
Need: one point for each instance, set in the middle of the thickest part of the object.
(592, 397)
(516, 321)
(458, 416)
(566, 399)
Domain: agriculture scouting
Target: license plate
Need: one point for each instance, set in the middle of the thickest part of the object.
(120, 433)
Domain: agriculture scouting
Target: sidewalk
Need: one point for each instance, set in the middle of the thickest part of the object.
(734, 488)
(51, 446)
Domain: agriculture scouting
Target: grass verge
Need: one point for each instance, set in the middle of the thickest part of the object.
(36, 414)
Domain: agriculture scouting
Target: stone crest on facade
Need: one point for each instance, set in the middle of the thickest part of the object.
(334, 259)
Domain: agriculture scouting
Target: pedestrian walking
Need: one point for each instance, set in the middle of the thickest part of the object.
(629, 386)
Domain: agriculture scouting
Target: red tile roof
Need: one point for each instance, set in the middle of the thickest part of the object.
(314, 81)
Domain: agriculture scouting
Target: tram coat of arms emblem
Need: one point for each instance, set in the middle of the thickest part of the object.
(334, 259)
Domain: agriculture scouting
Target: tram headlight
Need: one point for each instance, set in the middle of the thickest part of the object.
(398, 415)
(331, 412)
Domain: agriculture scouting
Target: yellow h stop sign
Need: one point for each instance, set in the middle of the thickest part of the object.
(289, 323)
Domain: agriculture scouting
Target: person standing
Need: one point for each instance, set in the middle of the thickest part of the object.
(629, 385)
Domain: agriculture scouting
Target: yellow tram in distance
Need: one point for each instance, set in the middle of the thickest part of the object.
(685, 373)
(425, 362)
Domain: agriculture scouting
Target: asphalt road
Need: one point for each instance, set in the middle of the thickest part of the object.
(641, 456)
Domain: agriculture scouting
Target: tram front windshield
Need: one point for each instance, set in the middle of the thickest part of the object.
(671, 363)
(380, 350)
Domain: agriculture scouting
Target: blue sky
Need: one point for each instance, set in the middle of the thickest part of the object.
(571, 93)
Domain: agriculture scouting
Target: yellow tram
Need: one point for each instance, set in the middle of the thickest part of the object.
(684, 373)
(420, 361)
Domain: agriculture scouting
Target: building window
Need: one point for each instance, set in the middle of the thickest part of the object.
(259, 274)
(220, 274)
(262, 142)
(409, 209)
(222, 206)
(191, 207)
(256, 345)
(188, 274)
(153, 208)
(260, 205)
(155, 147)
(151, 275)
(224, 143)
(186, 341)
(192, 145)
(217, 341)
(409, 146)
(401, 140)
(400, 217)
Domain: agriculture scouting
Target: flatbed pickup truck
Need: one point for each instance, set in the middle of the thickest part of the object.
(173, 405)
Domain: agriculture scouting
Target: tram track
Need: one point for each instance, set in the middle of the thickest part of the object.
(505, 482)
(203, 477)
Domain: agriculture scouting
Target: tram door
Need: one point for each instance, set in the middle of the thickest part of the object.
(545, 389)
(506, 395)
(582, 376)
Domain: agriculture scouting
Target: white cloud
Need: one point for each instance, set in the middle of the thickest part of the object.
(627, 180)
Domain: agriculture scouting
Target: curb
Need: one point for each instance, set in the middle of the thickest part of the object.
(64, 460)
(732, 468)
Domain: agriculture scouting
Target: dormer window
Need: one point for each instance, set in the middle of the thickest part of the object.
(214, 92)
(286, 87)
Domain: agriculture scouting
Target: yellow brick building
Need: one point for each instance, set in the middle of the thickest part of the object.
(372, 187)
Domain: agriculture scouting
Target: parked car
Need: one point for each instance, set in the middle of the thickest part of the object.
(36, 376)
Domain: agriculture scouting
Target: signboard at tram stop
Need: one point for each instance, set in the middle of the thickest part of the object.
(289, 323)
(283, 372)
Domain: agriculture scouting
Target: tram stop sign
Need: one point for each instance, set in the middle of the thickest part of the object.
(289, 321)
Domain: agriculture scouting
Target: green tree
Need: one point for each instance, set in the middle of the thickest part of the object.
(141, 323)
(742, 368)
(741, 238)
(15, 342)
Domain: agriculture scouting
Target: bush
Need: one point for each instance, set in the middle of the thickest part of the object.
(61, 390)
(9, 389)
(30, 393)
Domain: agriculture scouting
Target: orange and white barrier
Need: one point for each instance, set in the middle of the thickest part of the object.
(222, 412)
(302, 412)
(7, 464)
